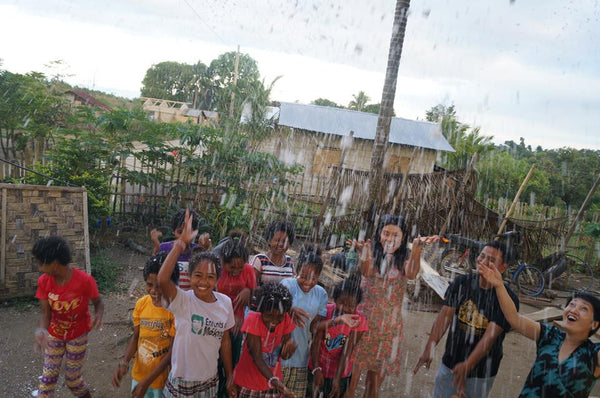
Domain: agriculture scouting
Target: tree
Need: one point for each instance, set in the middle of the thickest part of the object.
(326, 102)
(174, 81)
(359, 102)
(384, 120)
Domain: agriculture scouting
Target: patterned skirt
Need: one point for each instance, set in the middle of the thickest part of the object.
(178, 388)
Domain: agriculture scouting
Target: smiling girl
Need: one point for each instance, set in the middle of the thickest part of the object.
(203, 320)
(567, 362)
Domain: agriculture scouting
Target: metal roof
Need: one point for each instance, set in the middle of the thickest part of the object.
(339, 121)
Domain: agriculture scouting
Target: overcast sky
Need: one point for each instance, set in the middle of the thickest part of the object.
(515, 68)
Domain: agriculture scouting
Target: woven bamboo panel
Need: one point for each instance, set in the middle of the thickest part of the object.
(31, 212)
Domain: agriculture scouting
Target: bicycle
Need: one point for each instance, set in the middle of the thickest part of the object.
(460, 257)
(567, 272)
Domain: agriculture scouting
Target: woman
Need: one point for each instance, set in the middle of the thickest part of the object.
(275, 264)
(385, 271)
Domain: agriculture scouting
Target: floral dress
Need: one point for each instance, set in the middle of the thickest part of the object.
(379, 348)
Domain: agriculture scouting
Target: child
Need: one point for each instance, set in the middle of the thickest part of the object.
(154, 329)
(268, 340)
(237, 281)
(567, 362)
(335, 339)
(309, 307)
(275, 264)
(184, 257)
(203, 320)
(64, 293)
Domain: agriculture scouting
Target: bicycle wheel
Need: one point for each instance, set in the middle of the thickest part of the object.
(530, 281)
(579, 275)
(453, 262)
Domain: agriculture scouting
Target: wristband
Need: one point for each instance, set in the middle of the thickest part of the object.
(271, 380)
(316, 369)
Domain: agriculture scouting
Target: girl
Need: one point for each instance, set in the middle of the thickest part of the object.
(308, 308)
(150, 344)
(237, 281)
(203, 320)
(64, 293)
(567, 363)
(335, 339)
(275, 265)
(268, 340)
(384, 274)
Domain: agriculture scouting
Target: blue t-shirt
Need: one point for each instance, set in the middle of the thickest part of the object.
(572, 378)
(314, 303)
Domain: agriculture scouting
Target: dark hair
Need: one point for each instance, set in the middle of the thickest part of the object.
(349, 286)
(401, 254)
(197, 258)
(234, 246)
(594, 301)
(507, 254)
(280, 226)
(46, 250)
(310, 254)
(153, 266)
(179, 217)
(272, 296)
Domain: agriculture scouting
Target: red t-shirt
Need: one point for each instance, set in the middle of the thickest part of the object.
(231, 286)
(332, 345)
(246, 373)
(69, 304)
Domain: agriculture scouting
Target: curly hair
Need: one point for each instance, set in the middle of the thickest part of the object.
(349, 286)
(235, 246)
(153, 266)
(179, 217)
(197, 258)
(310, 254)
(46, 250)
(280, 226)
(272, 296)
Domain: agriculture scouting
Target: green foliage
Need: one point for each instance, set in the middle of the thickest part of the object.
(105, 272)
(359, 101)
(173, 81)
(326, 102)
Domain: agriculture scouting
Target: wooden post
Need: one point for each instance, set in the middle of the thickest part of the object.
(584, 205)
(516, 199)
(459, 193)
(235, 77)
(3, 237)
(86, 231)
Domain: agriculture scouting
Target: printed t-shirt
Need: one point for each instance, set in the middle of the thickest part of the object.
(69, 303)
(157, 328)
(183, 262)
(314, 303)
(200, 327)
(246, 372)
(269, 272)
(571, 378)
(332, 345)
(232, 286)
(474, 309)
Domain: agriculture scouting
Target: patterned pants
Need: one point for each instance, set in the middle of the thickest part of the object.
(53, 354)
(296, 379)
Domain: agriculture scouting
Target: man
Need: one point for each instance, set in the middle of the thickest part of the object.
(474, 344)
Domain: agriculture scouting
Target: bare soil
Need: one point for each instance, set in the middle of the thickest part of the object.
(21, 367)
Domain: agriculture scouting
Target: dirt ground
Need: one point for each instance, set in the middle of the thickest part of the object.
(21, 367)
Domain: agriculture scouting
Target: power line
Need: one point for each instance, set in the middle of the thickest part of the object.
(206, 24)
(40, 174)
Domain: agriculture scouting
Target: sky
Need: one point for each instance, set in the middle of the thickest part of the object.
(514, 68)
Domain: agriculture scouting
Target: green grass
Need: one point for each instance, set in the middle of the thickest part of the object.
(22, 304)
(105, 272)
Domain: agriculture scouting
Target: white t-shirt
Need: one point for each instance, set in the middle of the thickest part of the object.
(199, 328)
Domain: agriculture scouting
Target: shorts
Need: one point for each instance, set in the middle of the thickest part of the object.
(474, 387)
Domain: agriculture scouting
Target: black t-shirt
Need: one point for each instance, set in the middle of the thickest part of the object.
(474, 309)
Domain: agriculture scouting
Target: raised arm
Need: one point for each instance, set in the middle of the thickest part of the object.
(520, 323)
(439, 328)
(155, 236)
(167, 286)
(365, 256)
(412, 266)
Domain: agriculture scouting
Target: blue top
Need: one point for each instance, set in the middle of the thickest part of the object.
(572, 378)
(314, 303)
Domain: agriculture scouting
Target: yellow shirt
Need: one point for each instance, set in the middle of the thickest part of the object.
(157, 329)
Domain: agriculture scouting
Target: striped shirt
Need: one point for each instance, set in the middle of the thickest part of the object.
(271, 272)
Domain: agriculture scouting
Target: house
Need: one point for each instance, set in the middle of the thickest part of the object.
(324, 138)
(81, 98)
(167, 111)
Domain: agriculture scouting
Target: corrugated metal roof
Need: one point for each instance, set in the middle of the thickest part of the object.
(338, 121)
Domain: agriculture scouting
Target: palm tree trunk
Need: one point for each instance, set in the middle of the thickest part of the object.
(376, 194)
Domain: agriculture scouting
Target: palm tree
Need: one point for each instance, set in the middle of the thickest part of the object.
(386, 111)
(359, 102)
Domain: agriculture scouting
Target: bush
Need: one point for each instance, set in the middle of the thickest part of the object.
(105, 272)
